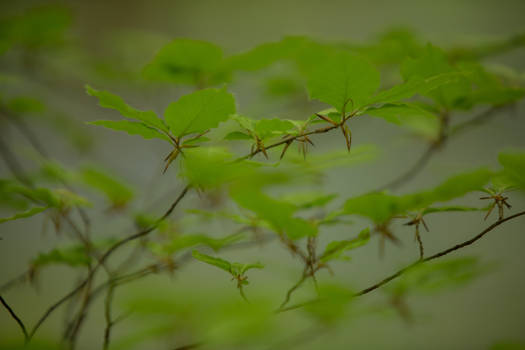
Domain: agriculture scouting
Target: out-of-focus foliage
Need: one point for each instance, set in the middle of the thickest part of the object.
(258, 178)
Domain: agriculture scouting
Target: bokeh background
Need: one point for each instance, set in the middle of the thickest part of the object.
(108, 42)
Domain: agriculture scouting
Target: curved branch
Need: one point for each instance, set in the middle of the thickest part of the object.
(104, 257)
(405, 269)
(445, 133)
(16, 318)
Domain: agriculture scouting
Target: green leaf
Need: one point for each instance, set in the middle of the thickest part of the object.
(40, 27)
(377, 206)
(343, 79)
(218, 262)
(412, 87)
(433, 62)
(237, 135)
(279, 214)
(266, 54)
(461, 184)
(266, 128)
(109, 100)
(452, 208)
(514, 168)
(209, 167)
(187, 61)
(191, 240)
(409, 116)
(132, 128)
(239, 269)
(115, 190)
(334, 250)
(199, 111)
(306, 200)
(72, 256)
(381, 206)
(25, 214)
(25, 105)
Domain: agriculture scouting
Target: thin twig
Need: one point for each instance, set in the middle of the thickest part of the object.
(107, 315)
(15, 317)
(405, 269)
(103, 258)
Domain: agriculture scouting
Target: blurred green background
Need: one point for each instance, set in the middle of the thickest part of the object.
(108, 41)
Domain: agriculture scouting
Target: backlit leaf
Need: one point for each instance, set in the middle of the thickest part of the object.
(132, 128)
(343, 79)
(199, 111)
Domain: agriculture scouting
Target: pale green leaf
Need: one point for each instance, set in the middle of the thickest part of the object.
(118, 193)
(199, 111)
(334, 250)
(343, 79)
(217, 262)
(410, 116)
(187, 61)
(514, 167)
(109, 100)
(132, 128)
(25, 214)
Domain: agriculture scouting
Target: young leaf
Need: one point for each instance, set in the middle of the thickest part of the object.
(343, 79)
(72, 256)
(187, 61)
(132, 128)
(514, 168)
(452, 208)
(237, 135)
(335, 250)
(218, 262)
(266, 128)
(118, 193)
(25, 214)
(410, 116)
(247, 267)
(199, 111)
(186, 241)
(378, 206)
(412, 87)
(433, 62)
(306, 200)
(278, 213)
(109, 100)
(209, 167)
(22, 105)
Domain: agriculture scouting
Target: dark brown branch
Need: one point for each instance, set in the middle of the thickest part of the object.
(440, 254)
(444, 135)
(405, 269)
(103, 258)
(107, 315)
(15, 317)
(292, 138)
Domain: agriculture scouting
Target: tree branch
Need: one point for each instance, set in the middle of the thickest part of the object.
(16, 318)
(405, 269)
(104, 257)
